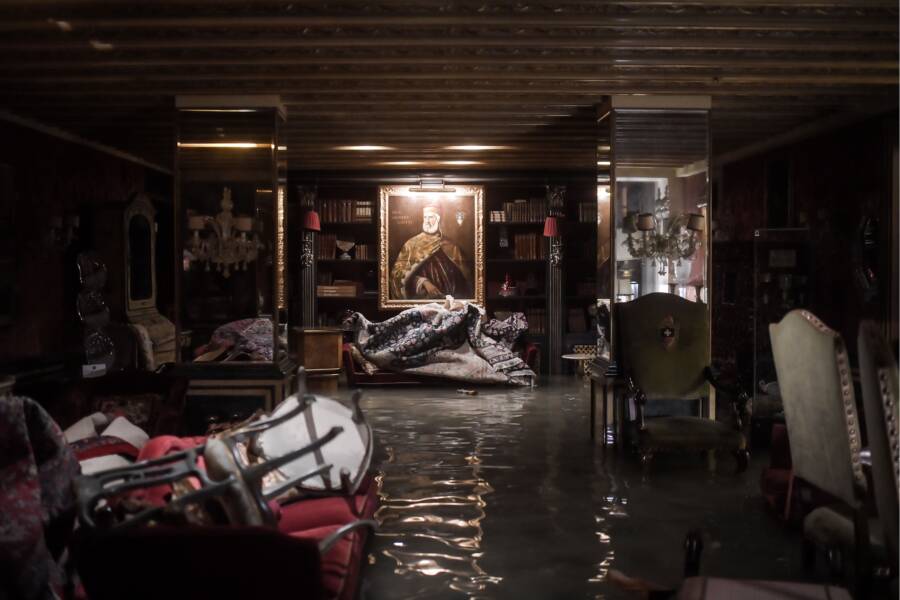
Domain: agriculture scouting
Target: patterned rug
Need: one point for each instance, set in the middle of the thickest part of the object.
(452, 340)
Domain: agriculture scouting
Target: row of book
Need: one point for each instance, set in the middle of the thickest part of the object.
(536, 318)
(364, 252)
(347, 211)
(528, 246)
(326, 246)
(587, 212)
(520, 211)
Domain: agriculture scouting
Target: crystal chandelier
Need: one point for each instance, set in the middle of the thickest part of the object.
(659, 238)
(226, 240)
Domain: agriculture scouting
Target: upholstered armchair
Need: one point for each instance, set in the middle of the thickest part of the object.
(663, 343)
(881, 403)
(825, 436)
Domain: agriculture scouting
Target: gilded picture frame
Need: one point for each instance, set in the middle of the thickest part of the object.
(431, 244)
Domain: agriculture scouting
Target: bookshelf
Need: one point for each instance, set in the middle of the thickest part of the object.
(516, 251)
(346, 253)
(554, 300)
(580, 266)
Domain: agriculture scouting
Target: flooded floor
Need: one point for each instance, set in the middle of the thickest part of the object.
(502, 495)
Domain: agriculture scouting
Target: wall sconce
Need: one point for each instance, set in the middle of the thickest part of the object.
(311, 223)
(226, 240)
(551, 230)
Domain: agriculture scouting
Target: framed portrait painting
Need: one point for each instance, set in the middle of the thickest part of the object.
(431, 245)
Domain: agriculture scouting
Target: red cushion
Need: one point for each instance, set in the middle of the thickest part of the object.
(339, 568)
(104, 445)
(334, 510)
(157, 448)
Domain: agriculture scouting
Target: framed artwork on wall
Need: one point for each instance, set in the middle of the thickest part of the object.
(431, 245)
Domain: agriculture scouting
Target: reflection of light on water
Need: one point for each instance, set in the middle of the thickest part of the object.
(436, 534)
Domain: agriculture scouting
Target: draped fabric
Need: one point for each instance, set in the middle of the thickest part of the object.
(435, 258)
(447, 340)
(36, 499)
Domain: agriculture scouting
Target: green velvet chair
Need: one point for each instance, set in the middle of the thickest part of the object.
(824, 431)
(663, 350)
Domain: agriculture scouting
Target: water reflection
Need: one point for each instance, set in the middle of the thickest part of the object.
(433, 500)
(502, 495)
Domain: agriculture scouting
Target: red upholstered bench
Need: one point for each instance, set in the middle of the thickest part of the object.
(230, 561)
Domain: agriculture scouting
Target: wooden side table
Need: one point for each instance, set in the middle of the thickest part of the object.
(318, 350)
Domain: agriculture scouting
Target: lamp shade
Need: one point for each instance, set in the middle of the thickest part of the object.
(696, 222)
(646, 222)
(311, 221)
(551, 227)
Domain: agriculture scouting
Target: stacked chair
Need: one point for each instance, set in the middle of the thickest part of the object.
(826, 432)
(251, 513)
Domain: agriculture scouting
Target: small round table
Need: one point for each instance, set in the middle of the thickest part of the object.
(582, 363)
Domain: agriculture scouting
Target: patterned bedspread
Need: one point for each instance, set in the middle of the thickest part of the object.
(452, 340)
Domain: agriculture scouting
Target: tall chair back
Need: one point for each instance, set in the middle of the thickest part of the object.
(878, 372)
(819, 406)
(663, 343)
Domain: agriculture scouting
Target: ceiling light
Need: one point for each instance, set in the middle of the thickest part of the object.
(602, 163)
(63, 25)
(239, 145)
(282, 148)
(460, 162)
(401, 163)
(363, 148)
(475, 147)
(101, 46)
(603, 148)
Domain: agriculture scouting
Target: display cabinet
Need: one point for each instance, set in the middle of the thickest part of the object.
(230, 248)
(782, 273)
(655, 235)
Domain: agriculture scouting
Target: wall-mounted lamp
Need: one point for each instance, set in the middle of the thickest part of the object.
(432, 185)
(311, 223)
(551, 230)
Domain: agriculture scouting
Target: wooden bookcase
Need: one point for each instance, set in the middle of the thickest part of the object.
(514, 246)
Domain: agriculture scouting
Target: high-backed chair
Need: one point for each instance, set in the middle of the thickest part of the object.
(824, 430)
(663, 343)
(881, 404)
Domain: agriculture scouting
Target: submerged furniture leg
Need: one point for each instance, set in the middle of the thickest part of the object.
(593, 409)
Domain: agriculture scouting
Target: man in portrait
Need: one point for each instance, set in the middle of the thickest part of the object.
(430, 265)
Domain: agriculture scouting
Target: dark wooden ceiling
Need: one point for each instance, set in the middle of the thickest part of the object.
(421, 76)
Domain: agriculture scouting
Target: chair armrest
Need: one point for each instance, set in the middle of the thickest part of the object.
(326, 544)
(640, 399)
(741, 404)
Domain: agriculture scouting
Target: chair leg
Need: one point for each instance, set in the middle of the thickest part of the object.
(834, 558)
(808, 556)
(693, 547)
(742, 457)
(711, 460)
(646, 458)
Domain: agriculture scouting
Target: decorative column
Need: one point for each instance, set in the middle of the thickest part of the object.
(555, 297)
(308, 255)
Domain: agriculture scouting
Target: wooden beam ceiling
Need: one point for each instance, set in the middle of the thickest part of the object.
(419, 76)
